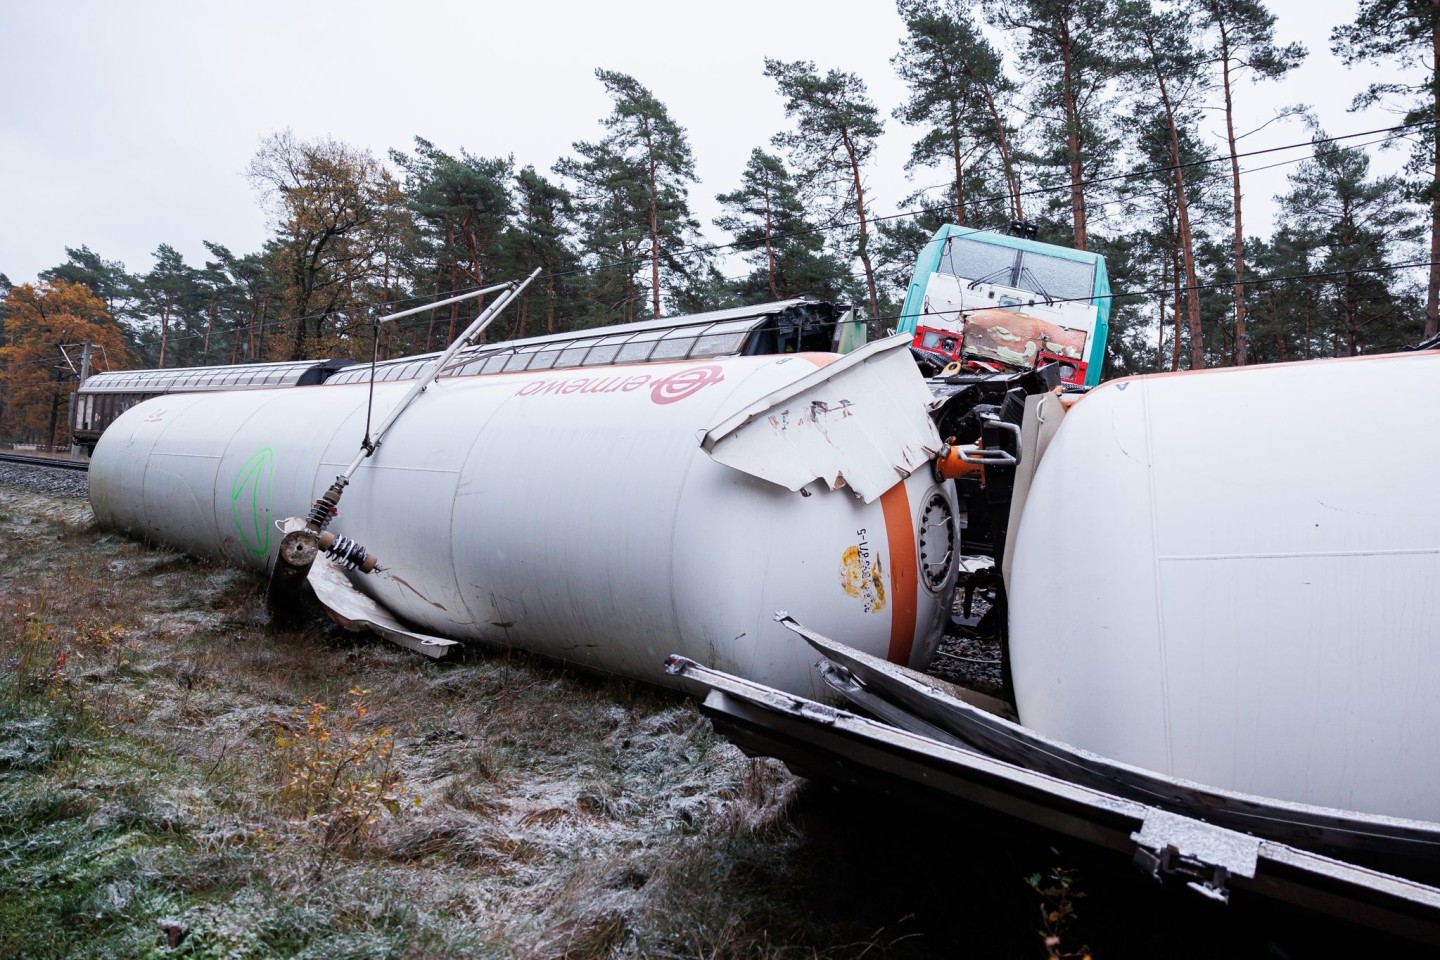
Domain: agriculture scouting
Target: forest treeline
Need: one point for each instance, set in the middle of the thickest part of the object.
(1092, 119)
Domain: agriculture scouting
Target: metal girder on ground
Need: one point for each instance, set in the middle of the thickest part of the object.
(820, 741)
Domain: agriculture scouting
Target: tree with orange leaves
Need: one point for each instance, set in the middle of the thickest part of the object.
(35, 379)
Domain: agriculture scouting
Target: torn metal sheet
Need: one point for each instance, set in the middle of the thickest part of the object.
(815, 740)
(1390, 841)
(809, 430)
(355, 611)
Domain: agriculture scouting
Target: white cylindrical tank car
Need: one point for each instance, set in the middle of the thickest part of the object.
(1230, 577)
(572, 513)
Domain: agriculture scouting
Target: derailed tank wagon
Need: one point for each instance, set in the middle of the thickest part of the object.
(571, 494)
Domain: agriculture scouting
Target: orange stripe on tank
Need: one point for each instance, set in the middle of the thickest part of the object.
(904, 573)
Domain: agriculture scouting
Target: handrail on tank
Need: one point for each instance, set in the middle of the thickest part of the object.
(445, 303)
(512, 289)
(299, 547)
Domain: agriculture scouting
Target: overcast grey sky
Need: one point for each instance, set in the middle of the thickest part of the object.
(128, 124)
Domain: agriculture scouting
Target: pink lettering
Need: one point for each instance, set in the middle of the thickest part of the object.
(606, 385)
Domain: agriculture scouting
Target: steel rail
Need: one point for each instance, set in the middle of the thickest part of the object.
(35, 461)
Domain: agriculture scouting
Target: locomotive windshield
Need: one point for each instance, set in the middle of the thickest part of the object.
(1040, 273)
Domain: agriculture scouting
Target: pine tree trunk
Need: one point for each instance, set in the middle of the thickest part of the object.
(385, 307)
(250, 339)
(1187, 241)
(959, 165)
(654, 226)
(1242, 346)
(1072, 140)
(549, 295)
(864, 232)
(430, 328)
(1350, 300)
(209, 325)
(1175, 307)
(769, 248)
(164, 329)
(264, 313)
(1160, 334)
(454, 307)
(1007, 162)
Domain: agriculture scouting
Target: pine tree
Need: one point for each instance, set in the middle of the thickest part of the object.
(836, 127)
(766, 217)
(1352, 223)
(633, 201)
(1068, 51)
(958, 90)
(107, 279)
(168, 297)
(462, 207)
(609, 210)
(1163, 66)
(542, 237)
(247, 290)
(1243, 41)
(1284, 322)
(1407, 33)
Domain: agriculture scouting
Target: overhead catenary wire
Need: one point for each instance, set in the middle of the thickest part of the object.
(1392, 132)
(1033, 191)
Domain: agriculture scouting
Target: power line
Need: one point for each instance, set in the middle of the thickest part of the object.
(1393, 132)
(1035, 191)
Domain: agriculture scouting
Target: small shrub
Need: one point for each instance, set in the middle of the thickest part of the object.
(34, 656)
(104, 642)
(338, 777)
(39, 664)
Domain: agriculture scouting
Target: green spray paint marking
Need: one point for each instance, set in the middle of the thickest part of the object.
(251, 494)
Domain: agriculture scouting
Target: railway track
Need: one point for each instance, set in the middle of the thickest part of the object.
(59, 463)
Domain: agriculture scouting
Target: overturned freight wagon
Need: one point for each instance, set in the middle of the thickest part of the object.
(604, 498)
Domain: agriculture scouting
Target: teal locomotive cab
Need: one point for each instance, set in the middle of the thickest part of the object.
(992, 301)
